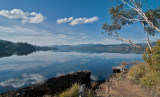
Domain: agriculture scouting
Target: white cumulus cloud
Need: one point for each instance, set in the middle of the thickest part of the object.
(83, 21)
(25, 17)
(77, 21)
(65, 20)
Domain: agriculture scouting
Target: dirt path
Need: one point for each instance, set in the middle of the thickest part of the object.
(116, 87)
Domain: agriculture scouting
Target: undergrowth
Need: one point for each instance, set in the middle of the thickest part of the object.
(73, 91)
(148, 73)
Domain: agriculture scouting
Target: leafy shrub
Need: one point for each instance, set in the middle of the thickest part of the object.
(150, 79)
(152, 57)
(138, 71)
(148, 74)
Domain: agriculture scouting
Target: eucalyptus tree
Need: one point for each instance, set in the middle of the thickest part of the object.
(129, 12)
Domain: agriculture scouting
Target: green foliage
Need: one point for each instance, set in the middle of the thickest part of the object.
(152, 57)
(154, 16)
(148, 74)
(147, 56)
(144, 74)
(138, 70)
(8, 48)
(117, 16)
(151, 78)
(122, 15)
(73, 91)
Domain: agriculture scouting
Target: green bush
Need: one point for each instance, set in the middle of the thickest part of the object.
(138, 71)
(152, 57)
(148, 74)
(73, 91)
(150, 79)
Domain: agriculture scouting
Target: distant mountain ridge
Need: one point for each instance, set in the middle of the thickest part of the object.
(100, 48)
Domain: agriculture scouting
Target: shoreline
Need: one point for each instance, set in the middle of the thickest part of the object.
(117, 85)
(51, 86)
(63, 82)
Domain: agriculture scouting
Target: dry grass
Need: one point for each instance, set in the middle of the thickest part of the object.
(137, 71)
(144, 74)
(73, 91)
(88, 93)
(151, 78)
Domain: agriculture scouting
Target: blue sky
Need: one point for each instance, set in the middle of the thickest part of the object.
(36, 22)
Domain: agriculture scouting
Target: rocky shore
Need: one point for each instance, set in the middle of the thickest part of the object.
(51, 86)
(118, 85)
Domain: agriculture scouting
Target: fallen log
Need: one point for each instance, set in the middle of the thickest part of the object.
(51, 86)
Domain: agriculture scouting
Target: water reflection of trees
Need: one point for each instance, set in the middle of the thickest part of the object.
(9, 49)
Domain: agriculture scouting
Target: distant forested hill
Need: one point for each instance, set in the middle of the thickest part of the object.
(8, 48)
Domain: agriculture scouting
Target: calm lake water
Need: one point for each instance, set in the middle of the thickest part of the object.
(19, 71)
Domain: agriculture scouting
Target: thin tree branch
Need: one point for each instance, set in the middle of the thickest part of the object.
(127, 40)
(127, 4)
(140, 4)
(148, 42)
(132, 19)
(143, 15)
(132, 2)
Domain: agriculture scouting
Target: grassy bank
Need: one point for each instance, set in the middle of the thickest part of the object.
(148, 72)
(74, 91)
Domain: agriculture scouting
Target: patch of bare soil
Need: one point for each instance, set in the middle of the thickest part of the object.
(121, 85)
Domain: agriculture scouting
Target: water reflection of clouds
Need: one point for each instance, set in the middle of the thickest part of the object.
(105, 55)
(44, 59)
(94, 78)
(23, 66)
(66, 56)
(83, 61)
(59, 74)
(41, 56)
(120, 56)
(25, 80)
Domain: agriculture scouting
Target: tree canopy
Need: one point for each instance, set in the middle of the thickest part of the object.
(129, 12)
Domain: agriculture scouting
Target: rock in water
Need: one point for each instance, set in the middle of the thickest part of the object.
(119, 69)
